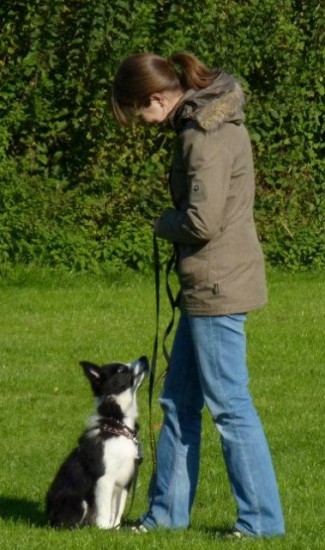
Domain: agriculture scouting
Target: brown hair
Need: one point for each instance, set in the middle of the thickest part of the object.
(142, 75)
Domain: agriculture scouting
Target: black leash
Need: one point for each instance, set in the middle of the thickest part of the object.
(174, 304)
(155, 350)
(152, 376)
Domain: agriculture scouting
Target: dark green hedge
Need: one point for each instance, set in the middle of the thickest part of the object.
(78, 191)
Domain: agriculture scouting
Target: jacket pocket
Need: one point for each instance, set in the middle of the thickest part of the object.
(195, 269)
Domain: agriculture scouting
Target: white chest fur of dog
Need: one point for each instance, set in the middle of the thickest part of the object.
(112, 488)
(91, 487)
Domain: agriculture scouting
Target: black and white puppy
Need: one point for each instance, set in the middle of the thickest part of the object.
(92, 484)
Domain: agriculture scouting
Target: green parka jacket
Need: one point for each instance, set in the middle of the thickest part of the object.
(220, 262)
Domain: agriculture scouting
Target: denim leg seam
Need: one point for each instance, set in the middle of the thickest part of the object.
(256, 505)
(172, 483)
(178, 436)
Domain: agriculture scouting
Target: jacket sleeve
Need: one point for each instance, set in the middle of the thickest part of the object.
(208, 169)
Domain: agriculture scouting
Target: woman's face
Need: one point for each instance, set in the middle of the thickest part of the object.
(160, 107)
(155, 113)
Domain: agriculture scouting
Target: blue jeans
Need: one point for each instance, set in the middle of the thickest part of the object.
(208, 365)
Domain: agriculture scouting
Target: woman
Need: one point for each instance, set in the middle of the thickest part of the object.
(221, 272)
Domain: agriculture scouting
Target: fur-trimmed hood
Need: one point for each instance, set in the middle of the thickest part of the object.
(211, 107)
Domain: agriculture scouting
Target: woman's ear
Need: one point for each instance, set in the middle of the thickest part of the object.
(159, 98)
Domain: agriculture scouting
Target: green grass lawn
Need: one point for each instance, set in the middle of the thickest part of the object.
(50, 322)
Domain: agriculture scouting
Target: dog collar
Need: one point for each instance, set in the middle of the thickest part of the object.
(116, 427)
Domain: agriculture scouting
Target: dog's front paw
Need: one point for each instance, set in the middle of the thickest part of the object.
(103, 523)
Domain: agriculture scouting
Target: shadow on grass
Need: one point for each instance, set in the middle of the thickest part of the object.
(21, 510)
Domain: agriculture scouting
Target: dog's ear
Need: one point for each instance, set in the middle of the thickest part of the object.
(92, 372)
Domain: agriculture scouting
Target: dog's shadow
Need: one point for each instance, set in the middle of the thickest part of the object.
(22, 510)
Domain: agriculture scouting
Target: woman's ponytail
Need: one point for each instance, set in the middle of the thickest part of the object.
(191, 71)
